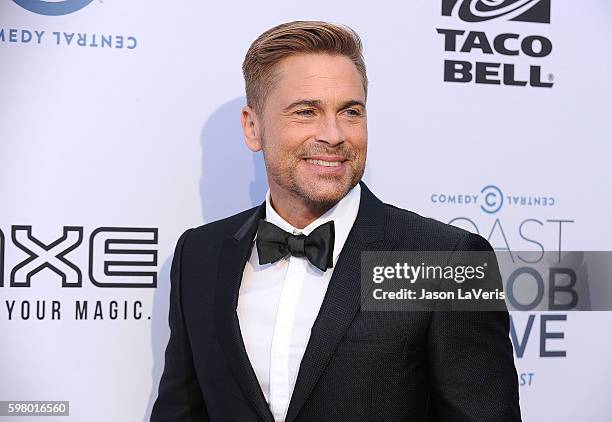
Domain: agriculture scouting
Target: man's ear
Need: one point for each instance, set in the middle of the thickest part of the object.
(251, 128)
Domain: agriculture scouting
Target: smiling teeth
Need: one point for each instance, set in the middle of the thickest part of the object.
(325, 163)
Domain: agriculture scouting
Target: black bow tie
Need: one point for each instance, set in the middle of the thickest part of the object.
(273, 243)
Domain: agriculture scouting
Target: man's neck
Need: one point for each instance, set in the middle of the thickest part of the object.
(296, 211)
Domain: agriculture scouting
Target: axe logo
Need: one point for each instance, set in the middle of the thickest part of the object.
(118, 257)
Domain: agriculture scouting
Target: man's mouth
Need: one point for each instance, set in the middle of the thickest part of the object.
(324, 163)
(326, 160)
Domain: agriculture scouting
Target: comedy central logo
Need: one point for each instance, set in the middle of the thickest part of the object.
(491, 199)
(53, 8)
(488, 53)
(484, 10)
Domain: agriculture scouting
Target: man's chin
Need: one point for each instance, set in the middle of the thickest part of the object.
(326, 192)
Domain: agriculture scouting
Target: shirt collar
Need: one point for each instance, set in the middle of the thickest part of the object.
(343, 214)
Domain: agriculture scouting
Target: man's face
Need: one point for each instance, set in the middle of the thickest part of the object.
(313, 128)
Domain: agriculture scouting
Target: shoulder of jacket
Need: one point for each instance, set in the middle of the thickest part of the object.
(408, 223)
(216, 230)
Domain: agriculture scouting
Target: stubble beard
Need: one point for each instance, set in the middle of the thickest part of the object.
(307, 191)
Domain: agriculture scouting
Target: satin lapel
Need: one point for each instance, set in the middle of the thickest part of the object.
(234, 253)
(342, 299)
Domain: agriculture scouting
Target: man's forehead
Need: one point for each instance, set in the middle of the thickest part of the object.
(312, 75)
(317, 67)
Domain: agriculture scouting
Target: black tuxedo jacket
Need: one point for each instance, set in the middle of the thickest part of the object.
(358, 366)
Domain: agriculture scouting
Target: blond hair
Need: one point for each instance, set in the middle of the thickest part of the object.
(296, 37)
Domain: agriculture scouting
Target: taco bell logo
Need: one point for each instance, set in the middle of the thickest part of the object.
(484, 10)
(506, 59)
(53, 8)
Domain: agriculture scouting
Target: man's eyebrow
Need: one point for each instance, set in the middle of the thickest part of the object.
(351, 103)
(318, 104)
(303, 102)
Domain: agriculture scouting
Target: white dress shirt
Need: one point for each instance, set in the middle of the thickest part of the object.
(279, 302)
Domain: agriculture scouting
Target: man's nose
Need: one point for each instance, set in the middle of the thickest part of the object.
(330, 131)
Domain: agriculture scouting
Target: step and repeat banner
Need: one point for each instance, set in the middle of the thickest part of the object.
(120, 128)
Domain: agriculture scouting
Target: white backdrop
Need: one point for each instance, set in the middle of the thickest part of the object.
(103, 141)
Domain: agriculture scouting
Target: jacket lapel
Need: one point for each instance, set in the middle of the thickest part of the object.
(342, 299)
(234, 253)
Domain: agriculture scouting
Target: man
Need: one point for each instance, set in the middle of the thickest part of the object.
(265, 311)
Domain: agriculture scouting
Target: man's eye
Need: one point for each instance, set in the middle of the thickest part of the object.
(353, 112)
(305, 112)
